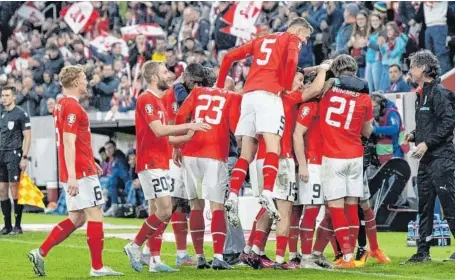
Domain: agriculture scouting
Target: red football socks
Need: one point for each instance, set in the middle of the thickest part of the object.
(218, 230)
(340, 226)
(59, 233)
(371, 229)
(238, 175)
(293, 234)
(270, 169)
(324, 234)
(351, 214)
(197, 230)
(180, 228)
(148, 228)
(252, 233)
(281, 245)
(95, 240)
(307, 228)
(259, 238)
(155, 241)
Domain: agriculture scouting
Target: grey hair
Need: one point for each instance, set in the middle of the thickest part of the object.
(428, 60)
(344, 64)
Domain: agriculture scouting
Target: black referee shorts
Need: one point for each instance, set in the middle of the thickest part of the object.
(10, 170)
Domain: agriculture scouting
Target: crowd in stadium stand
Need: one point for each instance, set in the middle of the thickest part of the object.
(380, 35)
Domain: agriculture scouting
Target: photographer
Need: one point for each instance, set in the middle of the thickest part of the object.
(434, 135)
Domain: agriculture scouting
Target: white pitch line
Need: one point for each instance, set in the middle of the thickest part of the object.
(395, 276)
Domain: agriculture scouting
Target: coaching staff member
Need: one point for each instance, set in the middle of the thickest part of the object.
(434, 135)
(15, 135)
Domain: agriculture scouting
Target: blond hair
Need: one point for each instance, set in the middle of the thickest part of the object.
(150, 68)
(69, 75)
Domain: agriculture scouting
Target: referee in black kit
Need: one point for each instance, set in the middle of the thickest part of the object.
(433, 136)
(15, 137)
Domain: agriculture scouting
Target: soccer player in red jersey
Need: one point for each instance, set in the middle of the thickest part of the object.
(192, 76)
(79, 174)
(284, 191)
(346, 113)
(152, 131)
(275, 58)
(204, 162)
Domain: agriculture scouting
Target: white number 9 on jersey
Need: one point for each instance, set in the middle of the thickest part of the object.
(201, 110)
(266, 50)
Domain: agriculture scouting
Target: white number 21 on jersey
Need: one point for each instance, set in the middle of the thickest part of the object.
(200, 111)
(339, 111)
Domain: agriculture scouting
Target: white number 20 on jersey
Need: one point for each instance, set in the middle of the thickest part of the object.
(339, 111)
(200, 111)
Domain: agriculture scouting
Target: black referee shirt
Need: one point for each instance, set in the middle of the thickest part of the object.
(12, 123)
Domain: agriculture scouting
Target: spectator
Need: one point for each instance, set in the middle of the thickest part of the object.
(373, 57)
(344, 34)
(49, 89)
(108, 58)
(140, 51)
(382, 9)
(53, 60)
(359, 40)
(392, 48)
(50, 104)
(223, 41)
(104, 88)
(135, 194)
(315, 15)
(27, 98)
(160, 49)
(398, 83)
(331, 26)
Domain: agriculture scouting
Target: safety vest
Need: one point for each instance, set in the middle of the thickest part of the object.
(385, 149)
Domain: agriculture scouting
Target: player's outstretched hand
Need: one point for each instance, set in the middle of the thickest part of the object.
(177, 157)
(303, 173)
(325, 65)
(73, 188)
(199, 126)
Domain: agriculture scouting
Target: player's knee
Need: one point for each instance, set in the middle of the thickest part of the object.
(336, 203)
(365, 205)
(164, 212)
(351, 200)
(217, 206)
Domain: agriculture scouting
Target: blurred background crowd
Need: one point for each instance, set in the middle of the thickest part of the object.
(114, 39)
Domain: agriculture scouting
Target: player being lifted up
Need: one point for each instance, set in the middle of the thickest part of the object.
(152, 131)
(204, 163)
(79, 174)
(275, 58)
(346, 113)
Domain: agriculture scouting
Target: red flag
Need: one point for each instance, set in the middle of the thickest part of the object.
(80, 16)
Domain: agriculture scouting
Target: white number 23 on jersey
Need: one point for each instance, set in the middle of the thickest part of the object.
(201, 110)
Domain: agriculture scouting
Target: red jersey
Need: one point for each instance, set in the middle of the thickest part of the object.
(70, 117)
(273, 68)
(152, 151)
(171, 107)
(217, 107)
(343, 113)
(309, 117)
(290, 112)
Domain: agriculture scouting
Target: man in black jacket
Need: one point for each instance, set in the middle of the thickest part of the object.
(434, 136)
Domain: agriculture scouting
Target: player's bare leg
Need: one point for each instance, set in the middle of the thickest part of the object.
(95, 240)
(218, 231)
(197, 229)
(307, 232)
(282, 231)
(270, 170)
(371, 232)
(238, 174)
(261, 232)
(341, 229)
(293, 236)
(149, 227)
(5, 203)
(58, 234)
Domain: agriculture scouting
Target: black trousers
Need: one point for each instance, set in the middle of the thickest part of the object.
(435, 178)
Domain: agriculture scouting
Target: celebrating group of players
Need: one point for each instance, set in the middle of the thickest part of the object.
(182, 150)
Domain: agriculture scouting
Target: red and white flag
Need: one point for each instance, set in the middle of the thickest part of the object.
(148, 30)
(31, 11)
(103, 44)
(80, 16)
(242, 18)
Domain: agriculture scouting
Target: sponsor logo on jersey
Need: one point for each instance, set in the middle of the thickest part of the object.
(149, 109)
(71, 119)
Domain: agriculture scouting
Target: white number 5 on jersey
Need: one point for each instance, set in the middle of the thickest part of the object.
(266, 49)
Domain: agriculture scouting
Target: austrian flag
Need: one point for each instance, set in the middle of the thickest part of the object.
(80, 16)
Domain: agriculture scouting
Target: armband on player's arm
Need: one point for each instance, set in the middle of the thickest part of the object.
(298, 143)
(69, 150)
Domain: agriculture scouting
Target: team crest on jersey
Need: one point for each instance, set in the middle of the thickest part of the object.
(10, 125)
(305, 111)
(71, 119)
(174, 106)
(149, 109)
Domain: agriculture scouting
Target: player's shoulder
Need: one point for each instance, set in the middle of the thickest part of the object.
(69, 104)
(307, 108)
(19, 111)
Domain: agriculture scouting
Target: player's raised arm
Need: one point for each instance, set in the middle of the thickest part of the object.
(294, 47)
(317, 85)
(229, 58)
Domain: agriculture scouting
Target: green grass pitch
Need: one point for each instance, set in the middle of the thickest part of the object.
(70, 260)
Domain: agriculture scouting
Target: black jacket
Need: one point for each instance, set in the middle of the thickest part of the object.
(434, 117)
